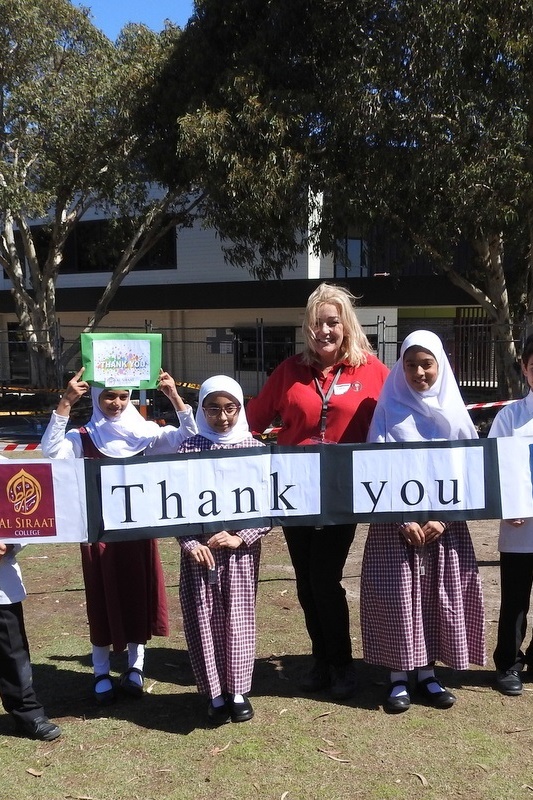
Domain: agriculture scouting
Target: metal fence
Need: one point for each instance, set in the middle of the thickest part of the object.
(250, 354)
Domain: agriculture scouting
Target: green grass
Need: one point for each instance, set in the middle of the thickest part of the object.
(296, 747)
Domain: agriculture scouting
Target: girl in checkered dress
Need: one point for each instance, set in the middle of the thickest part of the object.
(421, 597)
(218, 578)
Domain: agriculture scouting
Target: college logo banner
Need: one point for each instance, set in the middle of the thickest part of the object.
(27, 501)
(42, 500)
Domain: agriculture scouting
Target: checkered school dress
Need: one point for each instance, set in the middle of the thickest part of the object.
(421, 604)
(219, 620)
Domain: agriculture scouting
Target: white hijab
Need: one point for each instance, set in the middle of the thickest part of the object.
(404, 415)
(222, 384)
(123, 436)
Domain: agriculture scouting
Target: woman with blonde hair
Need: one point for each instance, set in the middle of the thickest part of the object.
(326, 394)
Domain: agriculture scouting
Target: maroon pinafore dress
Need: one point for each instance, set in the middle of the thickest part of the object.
(124, 586)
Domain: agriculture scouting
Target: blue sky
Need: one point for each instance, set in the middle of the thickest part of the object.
(111, 15)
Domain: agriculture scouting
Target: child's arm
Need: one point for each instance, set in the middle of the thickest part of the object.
(56, 441)
(235, 539)
(433, 530)
(197, 551)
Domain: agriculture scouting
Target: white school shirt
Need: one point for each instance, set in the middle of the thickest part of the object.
(57, 442)
(12, 589)
(516, 419)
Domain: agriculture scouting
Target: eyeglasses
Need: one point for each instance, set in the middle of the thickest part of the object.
(215, 411)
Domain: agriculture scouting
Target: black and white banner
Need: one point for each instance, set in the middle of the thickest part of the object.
(112, 499)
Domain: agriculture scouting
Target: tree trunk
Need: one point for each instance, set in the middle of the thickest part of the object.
(42, 341)
(489, 250)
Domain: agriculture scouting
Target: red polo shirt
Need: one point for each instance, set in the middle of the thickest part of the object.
(291, 393)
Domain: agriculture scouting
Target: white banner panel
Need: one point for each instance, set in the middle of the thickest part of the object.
(425, 479)
(229, 491)
(515, 461)
(144, 495)
(295, 484)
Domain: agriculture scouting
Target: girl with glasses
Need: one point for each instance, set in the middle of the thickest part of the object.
(218, 578)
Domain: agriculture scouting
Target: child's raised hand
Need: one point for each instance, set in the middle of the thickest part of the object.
(167, 385)
(76, 388)
(224, 539)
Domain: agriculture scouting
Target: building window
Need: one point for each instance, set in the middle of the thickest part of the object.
(261, 349)
(96, 246)
(352, 261)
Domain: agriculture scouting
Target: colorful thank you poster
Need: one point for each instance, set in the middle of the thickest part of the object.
(125, 360)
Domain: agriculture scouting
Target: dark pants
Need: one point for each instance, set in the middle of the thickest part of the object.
(16, 690)
(516, 580)
(318, 558)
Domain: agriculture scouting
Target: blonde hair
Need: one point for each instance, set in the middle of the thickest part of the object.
(355, 346)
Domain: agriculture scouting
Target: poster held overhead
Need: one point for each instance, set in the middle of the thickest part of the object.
(121, 360)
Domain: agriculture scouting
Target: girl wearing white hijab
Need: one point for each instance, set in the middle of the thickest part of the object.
(218, 578)
(421, 597)
(124, 581)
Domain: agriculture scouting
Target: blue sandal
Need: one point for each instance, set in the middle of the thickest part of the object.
(107, 697)
(131, 687)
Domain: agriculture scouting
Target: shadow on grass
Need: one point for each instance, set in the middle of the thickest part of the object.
(64, 686)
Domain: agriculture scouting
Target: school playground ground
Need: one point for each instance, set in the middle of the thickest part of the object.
(296, 748)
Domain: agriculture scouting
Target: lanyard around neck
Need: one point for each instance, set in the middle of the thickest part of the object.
(325, 400)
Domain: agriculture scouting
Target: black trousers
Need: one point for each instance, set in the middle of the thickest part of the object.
(318, 558)
(516, 580)
(16, 689)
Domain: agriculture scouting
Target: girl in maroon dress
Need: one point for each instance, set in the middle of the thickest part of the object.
(124, 582)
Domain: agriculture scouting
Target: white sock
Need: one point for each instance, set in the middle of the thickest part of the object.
(238, 698)
(429, 672)
(101, 666)
(100, 656)
(218, 701)
(136, 660)
(398, 691)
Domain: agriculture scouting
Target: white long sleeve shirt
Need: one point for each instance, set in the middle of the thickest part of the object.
(12, 589)
(57, 442)
(515, 419)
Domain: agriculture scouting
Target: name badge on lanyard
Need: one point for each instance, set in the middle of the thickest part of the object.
(325, 402)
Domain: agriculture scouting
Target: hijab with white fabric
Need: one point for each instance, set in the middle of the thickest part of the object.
(404, 415)
(123, 436)
(222, 384)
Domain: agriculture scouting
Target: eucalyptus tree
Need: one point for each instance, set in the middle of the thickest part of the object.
(412, 113)
(453, 127)
(67, 145)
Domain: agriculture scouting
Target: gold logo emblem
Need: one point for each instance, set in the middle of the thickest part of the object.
(24, 492)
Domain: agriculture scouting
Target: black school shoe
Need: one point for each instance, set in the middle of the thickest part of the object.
(39, 728)
(343, 681)
(317, 679)
(395, 705)
(442, 699)
(240, 712)
(218, 715)
(131, 687)
(104, 698)
(509, 682)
